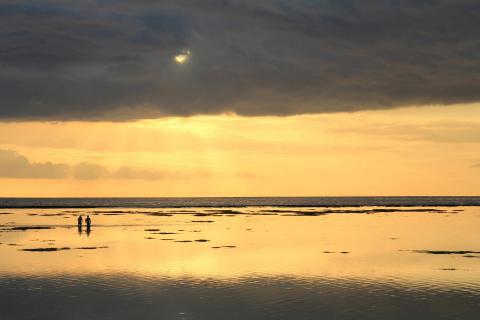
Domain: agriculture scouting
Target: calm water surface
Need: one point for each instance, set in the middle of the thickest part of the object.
(250, 262)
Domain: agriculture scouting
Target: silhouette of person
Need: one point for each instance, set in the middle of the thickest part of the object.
(88, 222)
(79, 224)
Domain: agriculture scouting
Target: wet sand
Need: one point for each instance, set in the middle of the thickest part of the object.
(241, 263)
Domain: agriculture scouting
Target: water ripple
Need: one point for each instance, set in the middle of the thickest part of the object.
(259, 296)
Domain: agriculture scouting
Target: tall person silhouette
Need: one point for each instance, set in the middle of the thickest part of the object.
(88, 221)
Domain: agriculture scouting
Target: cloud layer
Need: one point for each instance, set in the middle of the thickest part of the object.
(113, 60)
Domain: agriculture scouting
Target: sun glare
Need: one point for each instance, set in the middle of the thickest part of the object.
(182, 57)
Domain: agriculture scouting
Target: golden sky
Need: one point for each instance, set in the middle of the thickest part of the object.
(408, 151)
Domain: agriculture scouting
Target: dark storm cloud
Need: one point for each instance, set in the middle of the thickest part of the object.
(114, 59)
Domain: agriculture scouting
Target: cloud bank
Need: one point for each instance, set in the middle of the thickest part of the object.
(114, 60)
(16, 166)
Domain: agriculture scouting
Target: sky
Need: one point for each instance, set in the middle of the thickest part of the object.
(239, 98)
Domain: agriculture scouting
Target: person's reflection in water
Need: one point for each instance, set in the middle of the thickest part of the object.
(88, 222)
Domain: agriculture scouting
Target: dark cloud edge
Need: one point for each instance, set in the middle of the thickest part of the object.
(132, 115)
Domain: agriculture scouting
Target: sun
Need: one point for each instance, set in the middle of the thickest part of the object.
(183, 57)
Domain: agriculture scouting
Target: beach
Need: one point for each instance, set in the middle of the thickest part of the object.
(241, 262)
(239, 159)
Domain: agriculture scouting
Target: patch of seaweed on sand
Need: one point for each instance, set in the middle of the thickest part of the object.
(463, 253)
(164, 232)
(52, 214)
(459, 252)
(25, 228)
(224, 211)
(54, 249)
(341, 252)
(180, 211)
(158, 214)
(292, 212)
(114, 211)
(49, 249)
(364, 211)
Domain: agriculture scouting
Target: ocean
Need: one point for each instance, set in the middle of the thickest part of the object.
(238, 202)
